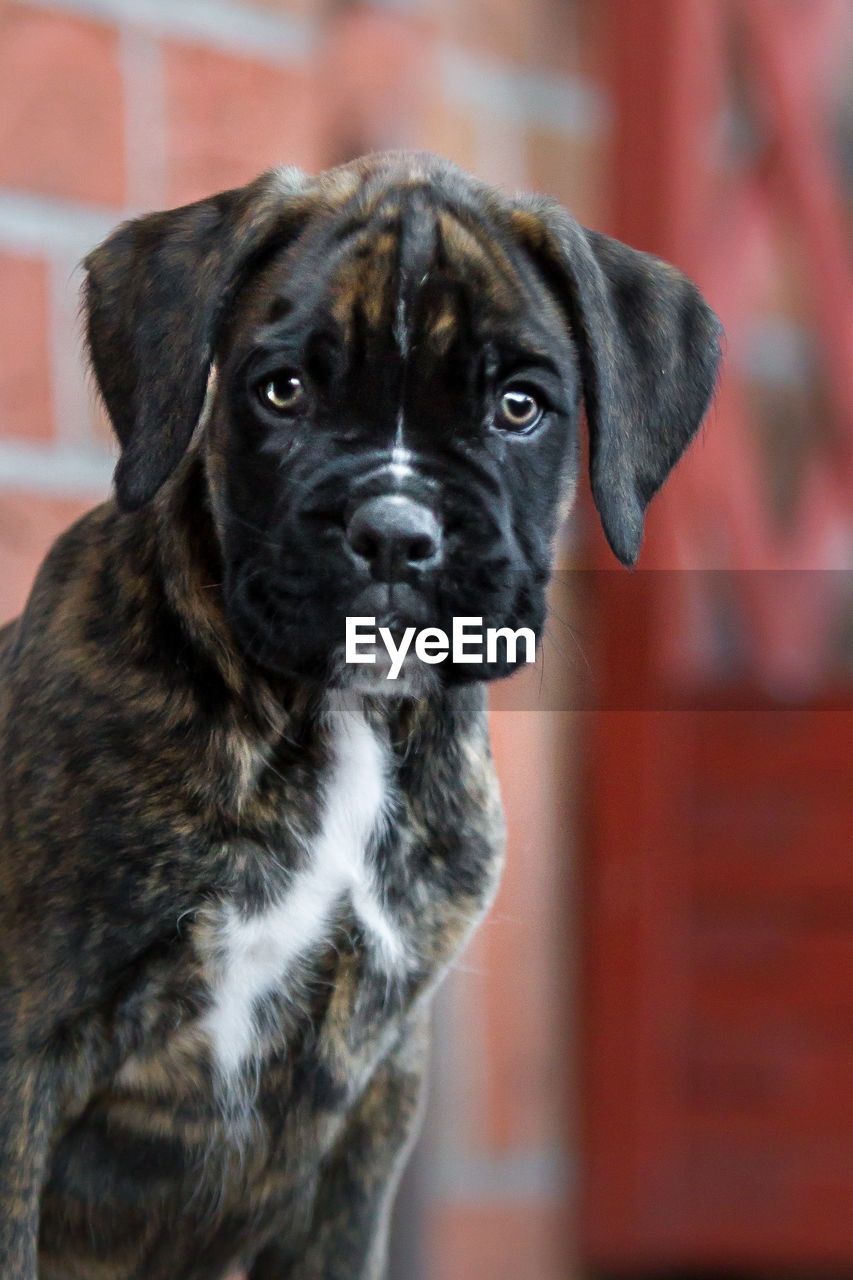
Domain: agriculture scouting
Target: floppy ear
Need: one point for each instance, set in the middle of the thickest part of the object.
(155, 293)
(649, 347)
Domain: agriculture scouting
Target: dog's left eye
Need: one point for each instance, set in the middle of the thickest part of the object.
(283, 394)
(518, 410)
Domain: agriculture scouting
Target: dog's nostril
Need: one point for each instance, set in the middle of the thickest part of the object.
(364, 544)
(421, 548)
(394, 533)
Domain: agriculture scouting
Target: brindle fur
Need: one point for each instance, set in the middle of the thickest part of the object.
(152, 766)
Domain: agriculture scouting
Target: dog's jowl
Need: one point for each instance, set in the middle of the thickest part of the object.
(234, 866)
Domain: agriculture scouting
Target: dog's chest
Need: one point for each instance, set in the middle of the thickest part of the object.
(267, 954)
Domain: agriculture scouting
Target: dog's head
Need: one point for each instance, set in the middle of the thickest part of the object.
(399, 356)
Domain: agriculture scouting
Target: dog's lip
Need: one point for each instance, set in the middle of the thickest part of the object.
(395, 605)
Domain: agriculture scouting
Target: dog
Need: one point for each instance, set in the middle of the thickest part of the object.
(235, 866)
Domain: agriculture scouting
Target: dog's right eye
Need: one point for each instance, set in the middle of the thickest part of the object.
(282, 394)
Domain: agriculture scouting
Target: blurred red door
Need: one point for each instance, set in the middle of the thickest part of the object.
(717, 1101)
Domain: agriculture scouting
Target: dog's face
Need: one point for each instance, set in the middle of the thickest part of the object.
(400, 357)
(397, 411)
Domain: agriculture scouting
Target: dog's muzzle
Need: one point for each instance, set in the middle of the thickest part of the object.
(395, 537)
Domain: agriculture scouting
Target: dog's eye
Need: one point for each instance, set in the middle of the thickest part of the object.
(283, 394)
(518, 410)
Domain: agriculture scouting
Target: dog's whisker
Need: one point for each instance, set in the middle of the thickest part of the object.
(552, 613)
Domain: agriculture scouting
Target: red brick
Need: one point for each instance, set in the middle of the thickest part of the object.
(61, 108)
(451, 132)
(540, 34)
(29, 523)
(25, 388)
(524, 1003)
(574, 39)
(295, 8)
(102, 432)
(230, 117)
(502, 1241)
(572, 169)
(378, 80)
(503, 28)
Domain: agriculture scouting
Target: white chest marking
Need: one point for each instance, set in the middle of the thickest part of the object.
(261, 951)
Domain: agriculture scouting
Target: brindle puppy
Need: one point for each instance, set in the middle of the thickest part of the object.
(233, 867)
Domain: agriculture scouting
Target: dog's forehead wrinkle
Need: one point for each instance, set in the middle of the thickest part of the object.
(418, 246)
(401, 247)
(493, 273)
(400, 280)
(401, 323)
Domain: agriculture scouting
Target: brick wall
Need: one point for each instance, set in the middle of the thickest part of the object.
(110, 107)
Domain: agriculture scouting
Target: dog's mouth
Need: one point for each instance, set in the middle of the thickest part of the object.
(288, 627)
(394, 606)
(392, 639)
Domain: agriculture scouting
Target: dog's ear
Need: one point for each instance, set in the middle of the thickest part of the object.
(155, 292)
(649, 347)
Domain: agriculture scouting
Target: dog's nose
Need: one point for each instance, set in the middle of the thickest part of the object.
(395, 535)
